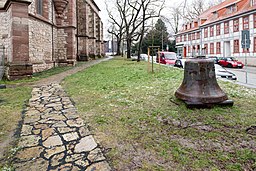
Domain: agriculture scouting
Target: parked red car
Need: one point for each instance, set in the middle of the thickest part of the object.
(167, 58)
(230, 62)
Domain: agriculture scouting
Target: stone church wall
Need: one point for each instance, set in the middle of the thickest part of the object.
(41, 37)
(36, 42)
(40, 45)
(5, 33)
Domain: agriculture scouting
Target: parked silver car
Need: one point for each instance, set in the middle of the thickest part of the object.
(220, 72)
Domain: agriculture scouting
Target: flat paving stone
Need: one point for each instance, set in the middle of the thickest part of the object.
(86, 144)
(52, 141)
(54, 137)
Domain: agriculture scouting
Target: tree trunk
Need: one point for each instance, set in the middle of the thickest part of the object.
(118, 47)
(129, 44)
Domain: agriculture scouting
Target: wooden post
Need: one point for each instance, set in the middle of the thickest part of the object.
(148, 60)
(159, 57)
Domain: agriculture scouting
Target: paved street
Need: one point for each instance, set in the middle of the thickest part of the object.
(245, 76)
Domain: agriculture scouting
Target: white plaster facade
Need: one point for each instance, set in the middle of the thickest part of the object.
(226, 40)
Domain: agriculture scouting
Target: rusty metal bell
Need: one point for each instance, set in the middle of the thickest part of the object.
(199, 86)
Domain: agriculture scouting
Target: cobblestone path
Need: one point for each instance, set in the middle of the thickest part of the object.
(54, 137)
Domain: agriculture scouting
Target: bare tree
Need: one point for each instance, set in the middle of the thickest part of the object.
(117, 27)
(214, 2)
(135, 14)
(147, 13)
(192, 10)
(174, 18)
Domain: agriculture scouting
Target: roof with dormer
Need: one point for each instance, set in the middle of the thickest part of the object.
(219, 12)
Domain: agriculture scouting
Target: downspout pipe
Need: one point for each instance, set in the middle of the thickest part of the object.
(201, 41)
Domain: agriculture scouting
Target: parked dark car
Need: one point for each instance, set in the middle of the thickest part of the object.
(230, 62)
(180, 63)
(215, 58)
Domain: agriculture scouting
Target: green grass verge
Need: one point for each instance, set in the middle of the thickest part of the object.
(12, 103)
(137, 119)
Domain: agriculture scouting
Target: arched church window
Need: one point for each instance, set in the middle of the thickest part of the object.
(39, 7)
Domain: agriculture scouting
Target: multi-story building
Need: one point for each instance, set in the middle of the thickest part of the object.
(40, 34)
(218, 32)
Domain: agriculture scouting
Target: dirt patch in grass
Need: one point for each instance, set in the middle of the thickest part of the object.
(142, 126)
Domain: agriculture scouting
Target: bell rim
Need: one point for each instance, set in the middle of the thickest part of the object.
(201, 98)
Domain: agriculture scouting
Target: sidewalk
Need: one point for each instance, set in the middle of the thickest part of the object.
(53, 136)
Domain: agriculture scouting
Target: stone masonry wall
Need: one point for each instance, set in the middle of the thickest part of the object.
(90, 30)
(66, 41)
(82, 30)
(40, 45)
(60, 49)
(5, 33)
(51, 37)
(42, 37)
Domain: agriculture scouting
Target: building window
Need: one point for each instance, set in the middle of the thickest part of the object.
(253, 2)
(189, 37)
(211, 31)
(246, 22)
(205, 32)
(217, 29)
(236, 46)
(231, 9)
(226, 27)
(185, 37)
(215, 14)
(188, 49)
(193, 50)
(193, 36)
(205, 49)
(254, 44)
(197, 48)
(211, 48)
(218, 48)
(246, 50)
(39, 8)
(180, 38)
(236, 25)
(198, 35)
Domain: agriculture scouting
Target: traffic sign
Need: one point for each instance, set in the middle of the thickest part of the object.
(245, 42)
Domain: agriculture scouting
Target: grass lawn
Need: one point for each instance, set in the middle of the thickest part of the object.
(142, 126)
(12, 103)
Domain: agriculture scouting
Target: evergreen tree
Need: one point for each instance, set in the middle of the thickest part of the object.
(156, 37)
